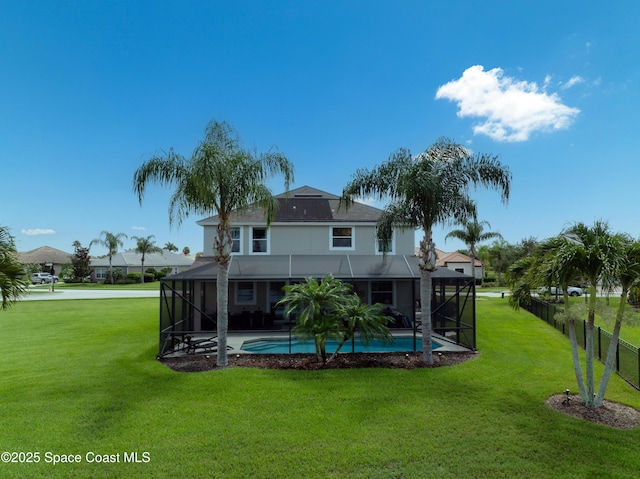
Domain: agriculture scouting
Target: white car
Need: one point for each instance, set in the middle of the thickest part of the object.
(572, 290)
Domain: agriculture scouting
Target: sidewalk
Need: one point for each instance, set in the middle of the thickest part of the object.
(39, 294)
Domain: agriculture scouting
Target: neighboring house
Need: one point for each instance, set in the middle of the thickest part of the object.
(459, 262)
(309, 237)
(131, 262)
(51, 260)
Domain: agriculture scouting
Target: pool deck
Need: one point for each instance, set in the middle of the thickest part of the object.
(235, 340)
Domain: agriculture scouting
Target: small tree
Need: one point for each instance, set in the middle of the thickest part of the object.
(328, 310)
(80, 262)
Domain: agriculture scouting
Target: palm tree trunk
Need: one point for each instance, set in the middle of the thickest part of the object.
(473, 264)
(110, 269)
(222, 290)
(427, 263)
(575, 355)
(142, 269)
(222, 251)
(611, 353)
(590, 356)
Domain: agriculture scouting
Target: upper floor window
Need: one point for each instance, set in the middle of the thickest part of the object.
(387, 248)
(235, 236)
(259, 240)
(342, 238)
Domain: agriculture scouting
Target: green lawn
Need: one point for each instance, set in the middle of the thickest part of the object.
(80, 377)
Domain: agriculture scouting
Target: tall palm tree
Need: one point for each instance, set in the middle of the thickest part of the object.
(220, 177)
(112, 242)
(431, 188)
(12, 282)
(145, 246)
(472, 233)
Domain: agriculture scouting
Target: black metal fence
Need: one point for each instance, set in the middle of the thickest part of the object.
(627, 358)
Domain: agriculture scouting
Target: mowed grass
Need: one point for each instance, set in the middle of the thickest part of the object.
(81, 377)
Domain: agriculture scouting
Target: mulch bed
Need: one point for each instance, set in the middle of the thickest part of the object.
(198, 363)
(611, 413)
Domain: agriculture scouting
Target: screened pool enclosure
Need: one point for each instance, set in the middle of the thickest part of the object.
(188, 309)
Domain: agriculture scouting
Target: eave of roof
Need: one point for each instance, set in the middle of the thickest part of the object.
(292, 267)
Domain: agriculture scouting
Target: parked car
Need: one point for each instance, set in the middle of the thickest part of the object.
(43, 278)
(572, 290)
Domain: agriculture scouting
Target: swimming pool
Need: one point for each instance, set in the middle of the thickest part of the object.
(281, 346)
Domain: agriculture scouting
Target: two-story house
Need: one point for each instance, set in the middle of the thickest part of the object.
(311, 235)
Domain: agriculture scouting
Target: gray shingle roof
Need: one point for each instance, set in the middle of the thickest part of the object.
(44, 254)
(151, 260)
(306, 204)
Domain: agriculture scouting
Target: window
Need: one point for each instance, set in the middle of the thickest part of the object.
(101, 273)
(245, 292)
(235, 237)
(259, 241)
(342, 238)
(459, 270)
(390, 246)
(382, 292)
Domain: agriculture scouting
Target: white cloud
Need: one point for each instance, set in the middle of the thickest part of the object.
(511, 110)
(38, 231)
(573, 81)
(139, 228)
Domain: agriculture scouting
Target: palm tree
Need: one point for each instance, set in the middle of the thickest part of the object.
(601, 258)
(430, 189)
(366, 319)
(112, 242)
(220, 177)
(12, 282)
(472, 233)
(318, 306)
(169, 246)
(145, 246)
(551, 262)
(628, 275)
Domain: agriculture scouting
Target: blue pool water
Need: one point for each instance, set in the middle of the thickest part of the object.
(281, 346)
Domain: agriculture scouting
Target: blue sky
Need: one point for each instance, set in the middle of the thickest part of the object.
(89, 90)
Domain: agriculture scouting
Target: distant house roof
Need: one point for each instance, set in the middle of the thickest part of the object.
(284, 267)
(306, 204)
(44, 254)
(443, 258)
(151, 260)
(455, 257)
